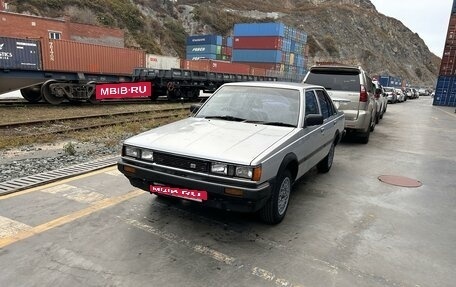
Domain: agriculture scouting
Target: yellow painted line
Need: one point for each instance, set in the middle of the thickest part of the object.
(115, 172)
(38, 188)
(74, 193)
(69, 218)
(448, 113)
(9, 227)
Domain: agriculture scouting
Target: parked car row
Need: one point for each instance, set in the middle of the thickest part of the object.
(352, 90)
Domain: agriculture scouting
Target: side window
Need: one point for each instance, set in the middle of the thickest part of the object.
(325, 104)
(311, 103)
(54, 35)
(332, 108)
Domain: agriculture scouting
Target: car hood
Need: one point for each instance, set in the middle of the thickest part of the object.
(217, 140)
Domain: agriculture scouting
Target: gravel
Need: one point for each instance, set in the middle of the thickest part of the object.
(30, 160)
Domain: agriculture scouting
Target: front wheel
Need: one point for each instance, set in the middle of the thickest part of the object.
(276, 207)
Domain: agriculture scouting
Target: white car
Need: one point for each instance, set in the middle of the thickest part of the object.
(242, 150)
(401, 97)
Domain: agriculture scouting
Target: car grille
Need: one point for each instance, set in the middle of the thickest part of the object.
(181, 162)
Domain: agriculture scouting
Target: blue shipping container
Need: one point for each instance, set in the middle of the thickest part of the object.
(445, 92)
(19, 54)
(229, 42)
(204, 40)
(191, 56)
(257, 56)
(259, 29)
(389, 81)
(202, 49)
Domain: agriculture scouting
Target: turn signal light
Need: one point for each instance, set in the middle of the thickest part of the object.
(130, 169)
(256, 173)
(234, 192)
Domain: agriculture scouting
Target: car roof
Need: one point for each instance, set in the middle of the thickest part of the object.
(273, 84)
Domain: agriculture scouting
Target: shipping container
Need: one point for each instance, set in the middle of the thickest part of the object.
(20, 54)
(445, 92)
(204, 40)
(257, 71)
(62, 55)
(454, 7)
(258, 43)
(191, 56)
(259, 29)
(266, 66)
(215, 66)
(229, 41)
(202, 49)
(259, 56)
(390, 81)
(162, 62)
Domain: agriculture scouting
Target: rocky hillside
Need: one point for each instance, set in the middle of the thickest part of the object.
(347, 31)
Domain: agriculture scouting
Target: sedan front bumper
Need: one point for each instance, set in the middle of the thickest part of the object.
(253, 197)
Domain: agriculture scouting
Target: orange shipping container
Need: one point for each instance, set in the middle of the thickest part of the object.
(257, 71)
(215, 66)
(69, 56)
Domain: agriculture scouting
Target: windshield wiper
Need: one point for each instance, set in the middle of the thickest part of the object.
(281, 124)
(226, 118)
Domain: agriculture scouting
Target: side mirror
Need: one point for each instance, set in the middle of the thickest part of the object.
(195, 108)
(313, 120)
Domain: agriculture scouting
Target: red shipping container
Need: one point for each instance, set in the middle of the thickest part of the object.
(266, 66)
(228, 67)
(215, 66)
(257, 71)
(69, 56)
(258, 43)
(196, 65)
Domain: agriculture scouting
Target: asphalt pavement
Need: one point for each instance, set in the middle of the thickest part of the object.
(343, 228)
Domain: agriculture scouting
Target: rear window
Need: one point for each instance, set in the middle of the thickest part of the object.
(335, 80)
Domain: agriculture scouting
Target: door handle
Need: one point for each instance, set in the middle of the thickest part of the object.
(322, 129)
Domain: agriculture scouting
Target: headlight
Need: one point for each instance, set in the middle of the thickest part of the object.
(131, 151)
(219, 168)
(244, 171)
(147, 155)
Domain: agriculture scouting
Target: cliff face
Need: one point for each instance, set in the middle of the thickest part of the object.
(347, 31)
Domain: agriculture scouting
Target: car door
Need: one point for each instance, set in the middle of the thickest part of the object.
(309, 143)
(328, 129)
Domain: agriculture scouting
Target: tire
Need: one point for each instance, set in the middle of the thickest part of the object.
(325, 164)
(364, 137)
(276, 207)
(372, 125)
(377, 118)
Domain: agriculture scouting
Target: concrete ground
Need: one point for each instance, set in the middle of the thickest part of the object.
(344, 228)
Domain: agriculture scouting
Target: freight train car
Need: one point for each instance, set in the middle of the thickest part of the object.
(55, 70)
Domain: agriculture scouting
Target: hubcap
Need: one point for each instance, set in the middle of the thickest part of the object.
(284, 195)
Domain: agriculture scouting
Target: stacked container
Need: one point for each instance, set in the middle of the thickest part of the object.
(445, 92)
(213, 47)
(273, 46)
(390, 81)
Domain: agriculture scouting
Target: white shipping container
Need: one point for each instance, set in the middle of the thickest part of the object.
(162, 62)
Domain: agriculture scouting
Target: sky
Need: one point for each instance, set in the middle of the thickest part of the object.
(428, 18)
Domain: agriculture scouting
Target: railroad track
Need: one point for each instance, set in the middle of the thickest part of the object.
(159, 101)
(39, 128)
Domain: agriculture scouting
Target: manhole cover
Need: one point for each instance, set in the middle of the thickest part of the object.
(400, 181)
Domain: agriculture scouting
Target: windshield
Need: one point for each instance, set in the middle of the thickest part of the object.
(264, 105)
(335, 80)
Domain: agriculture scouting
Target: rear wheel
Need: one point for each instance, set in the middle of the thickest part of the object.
(276, 207)
(364, 137)
(325, 164)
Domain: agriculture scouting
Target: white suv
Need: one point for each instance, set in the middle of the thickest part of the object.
(351, 90)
